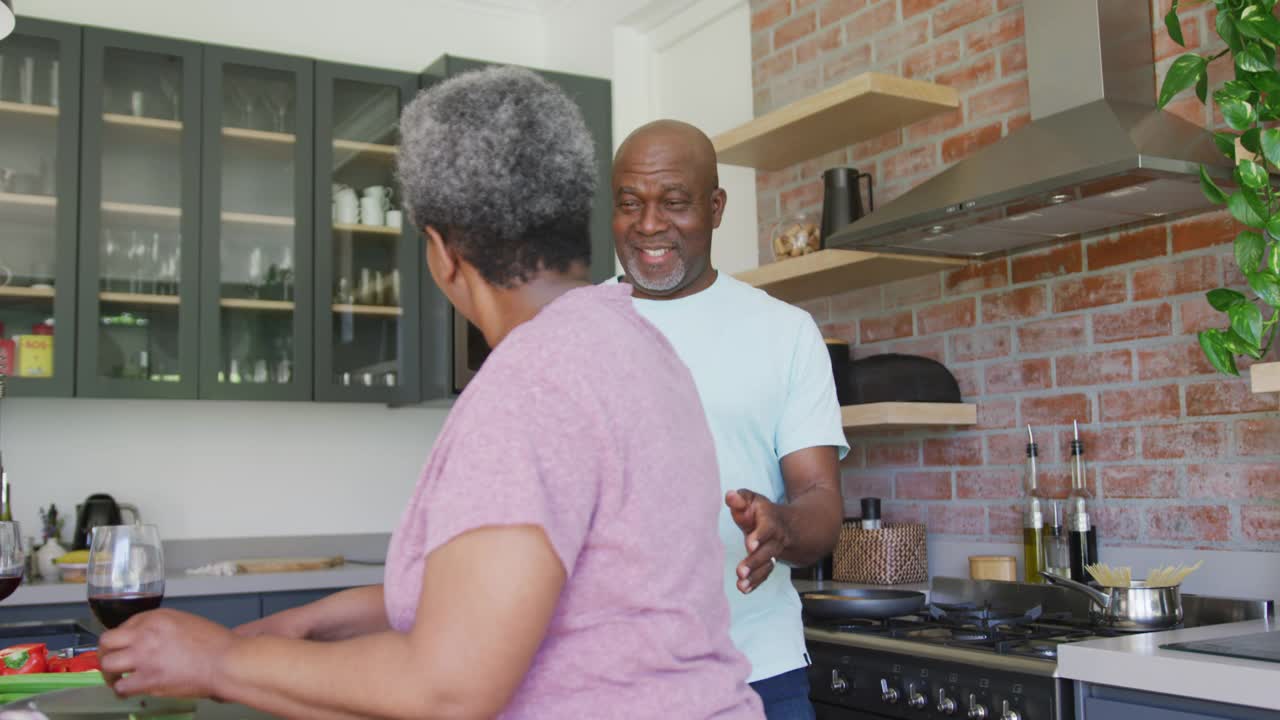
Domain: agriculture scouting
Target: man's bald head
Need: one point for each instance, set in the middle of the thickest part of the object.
(674, 135)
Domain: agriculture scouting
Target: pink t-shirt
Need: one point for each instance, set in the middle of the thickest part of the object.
(584, 422)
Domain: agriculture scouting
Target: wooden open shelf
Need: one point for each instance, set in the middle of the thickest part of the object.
(1265, 377)
(367, 229)
(356, 146)
(254, 219)
(26, 292)
(253, 304)
(898, 415)
(148, 123)
(138, 298)
(828, 272)
(259, 135)
(39, 201)
(858, 109)
(381, 310)
(156, 211)
(27, 109)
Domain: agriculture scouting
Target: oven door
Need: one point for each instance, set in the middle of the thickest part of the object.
(469, 351)
(824, 711)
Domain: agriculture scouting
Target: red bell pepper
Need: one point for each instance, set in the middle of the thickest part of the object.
(84, 662)
(24, 659)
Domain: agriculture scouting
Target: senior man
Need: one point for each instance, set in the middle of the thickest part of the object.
(764, 378)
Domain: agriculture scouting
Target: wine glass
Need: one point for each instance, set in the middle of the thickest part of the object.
(11, 558)
(126, 572)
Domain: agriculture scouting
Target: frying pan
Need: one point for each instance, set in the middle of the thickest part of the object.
(842, 604)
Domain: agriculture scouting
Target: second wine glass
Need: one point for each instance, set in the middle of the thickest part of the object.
(126, 572)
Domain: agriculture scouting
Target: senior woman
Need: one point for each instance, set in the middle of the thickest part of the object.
(559, 556)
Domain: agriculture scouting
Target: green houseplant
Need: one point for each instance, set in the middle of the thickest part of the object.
(1250, 104)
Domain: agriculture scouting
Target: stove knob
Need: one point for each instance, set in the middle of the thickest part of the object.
(946, 705)
(888, 694)
(915, 699)
(977, 711)
(839, 685)
(1009, 713)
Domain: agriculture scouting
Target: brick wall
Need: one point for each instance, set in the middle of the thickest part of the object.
(1099, 330)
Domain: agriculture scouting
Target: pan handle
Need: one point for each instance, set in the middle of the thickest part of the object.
(1101, 599)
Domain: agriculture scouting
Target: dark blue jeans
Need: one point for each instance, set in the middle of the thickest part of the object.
(786, 696)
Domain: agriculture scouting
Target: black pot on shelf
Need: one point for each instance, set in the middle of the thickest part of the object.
(842, 199)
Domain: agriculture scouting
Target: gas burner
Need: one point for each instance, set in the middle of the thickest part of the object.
(1037, 648)
(952, 634)
(985, 617)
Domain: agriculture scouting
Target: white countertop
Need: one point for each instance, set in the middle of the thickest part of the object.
(1138, 662)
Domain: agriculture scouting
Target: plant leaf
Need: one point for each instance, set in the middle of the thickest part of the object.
(1273, 226)
(1226, 26)
(1249, 247)
(1256, 202)
(1251, 140)
(1222, 298)
(1250, 174)
(1273, 258)
(1256, 23)
(1175, 28)
(1238, 89)
(1184, 73)
(1226, 143)
(1267, 82)
(1202, 87)
(1240, 115)
(1239, 207)
(1269, 140)
(1211, 189)
(1211, 343)
(1267, 285)
(1238, 345)
(1252, 59)
(1246, 321)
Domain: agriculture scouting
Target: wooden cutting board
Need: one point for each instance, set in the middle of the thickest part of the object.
(288, 564)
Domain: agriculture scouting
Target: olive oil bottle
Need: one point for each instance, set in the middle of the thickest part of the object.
(1032, 518)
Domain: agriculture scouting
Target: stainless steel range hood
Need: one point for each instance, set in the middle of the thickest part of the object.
(1097, 154)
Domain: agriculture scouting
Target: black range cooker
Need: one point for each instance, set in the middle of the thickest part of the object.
(980, 650)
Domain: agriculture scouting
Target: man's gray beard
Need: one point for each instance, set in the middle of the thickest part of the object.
(668, 283)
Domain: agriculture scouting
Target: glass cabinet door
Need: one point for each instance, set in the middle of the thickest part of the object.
(368, 260)
(39, 131)
(256, 318)
(139, 215)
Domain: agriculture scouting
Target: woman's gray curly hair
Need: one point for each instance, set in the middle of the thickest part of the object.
(500, 162)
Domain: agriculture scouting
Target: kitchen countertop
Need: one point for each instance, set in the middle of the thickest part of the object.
(1138, 662)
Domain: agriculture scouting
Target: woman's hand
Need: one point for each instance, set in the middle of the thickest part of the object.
(165, 653)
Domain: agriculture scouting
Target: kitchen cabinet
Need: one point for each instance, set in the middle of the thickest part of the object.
(256, 315)
(139, 217)
(229, 610)
(39, 182)
(369, 263)
(226, 610)
(1103, 702)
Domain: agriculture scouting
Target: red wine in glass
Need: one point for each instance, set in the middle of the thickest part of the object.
(113, 610)
(12, 558)
(126, 572)
(9, 583)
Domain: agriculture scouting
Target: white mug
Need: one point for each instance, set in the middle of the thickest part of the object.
(346, 210)
(395, 218)
(372, 211)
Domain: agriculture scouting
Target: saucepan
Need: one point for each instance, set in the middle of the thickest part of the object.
(849, 603)
(1133, 608)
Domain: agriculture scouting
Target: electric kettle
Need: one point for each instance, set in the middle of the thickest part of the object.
(99, 509)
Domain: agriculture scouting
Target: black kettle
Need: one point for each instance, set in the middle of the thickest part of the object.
(842, 199)
(99, 509)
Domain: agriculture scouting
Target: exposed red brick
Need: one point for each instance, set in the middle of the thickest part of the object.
(860, 484)
(1014, 304)
(836, 10)
(1132, 323)
(1057, 333)
(936, 125)
(997, 31)
(842, 331)
(997, 414)
(820, 311)
(1056, 409)
(1233, 276)
(868, 149)
(872, 20)
(904, 38)
(794, 29)
(1165, 47)
(1190, 522)
(1140, 481)
(857, 302)
(923, 485)
(981, 344)
(769, 14)
(1261, 523)
(969, 75)
(1185, 440)
(958, 14)
(957, 519)
(1111, 444)
(999, 100)
(852, 61)
(1202, 231)
(1017, 121)
(1189, 108)
(1062, 259)
(1004, 521)
(930, 347)
(947, 316)
(1019, 376)
(1099, 368)
(1078, 293)
(801, 198)
(988, 483)
(1197, 314)
(1144, 403)
(1115, 522)
(977, 276)
(1221, 481)
(1128, 247)
(953, 451)
(893, 454)
(1258, 437)
(827, 40)
(1223, 396)
(1011, 449)
(855, 459)
(896, 512)
(885, 327)
(968, 380)
(1013, 59)
(912, 291)
(775, 180)
(927, 60)
(1194, 274)
(958, 146)
(773, 66)
(1173, 361)
(910, 162)
(911, 8)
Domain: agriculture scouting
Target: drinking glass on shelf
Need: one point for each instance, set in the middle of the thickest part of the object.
(126, 572)
(12, 558)
(27, 81)
(169, 88)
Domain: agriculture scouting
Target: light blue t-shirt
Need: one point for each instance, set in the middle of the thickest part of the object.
(764, 377)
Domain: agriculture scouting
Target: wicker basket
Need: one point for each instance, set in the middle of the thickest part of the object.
(893, 555)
